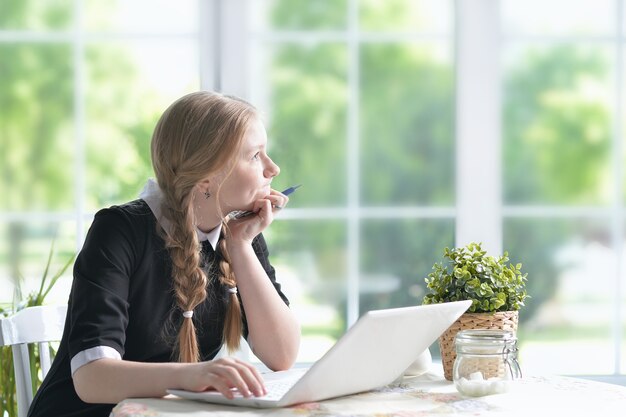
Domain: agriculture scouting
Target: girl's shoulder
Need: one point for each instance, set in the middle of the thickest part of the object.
(124, 233)
(133, 208)
(134, 211)
(132, 219)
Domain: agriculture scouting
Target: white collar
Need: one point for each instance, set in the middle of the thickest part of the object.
(153, 196)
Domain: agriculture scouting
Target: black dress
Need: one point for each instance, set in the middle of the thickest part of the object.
(122, 298)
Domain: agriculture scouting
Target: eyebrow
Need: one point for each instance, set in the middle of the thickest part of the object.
(254, 148)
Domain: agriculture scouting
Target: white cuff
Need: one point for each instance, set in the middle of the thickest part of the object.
(93, 354)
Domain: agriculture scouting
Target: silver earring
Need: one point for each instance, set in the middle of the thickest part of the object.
(207, 195)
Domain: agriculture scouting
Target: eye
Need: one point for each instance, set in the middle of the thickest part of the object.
(256, 156)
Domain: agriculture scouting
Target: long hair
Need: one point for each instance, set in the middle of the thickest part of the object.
(197, 136)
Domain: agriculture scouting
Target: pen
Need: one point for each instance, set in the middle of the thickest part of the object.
(291, 189)
(238, 214)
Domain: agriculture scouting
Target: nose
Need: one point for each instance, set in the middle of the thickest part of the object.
(271, 169)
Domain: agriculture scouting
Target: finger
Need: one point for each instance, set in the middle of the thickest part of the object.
(259, 378)
(251, 375)
(282, 197)
(264, 210)
(221, 385)
(253, 379)
(278, 201)
(231, 373)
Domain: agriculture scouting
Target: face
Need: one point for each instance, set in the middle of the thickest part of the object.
(252, 172)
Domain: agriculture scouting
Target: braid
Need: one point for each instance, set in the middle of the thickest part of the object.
(188, 278)
(233, 326)
(198, 136)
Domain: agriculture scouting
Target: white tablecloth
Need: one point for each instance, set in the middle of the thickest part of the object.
(426, 395)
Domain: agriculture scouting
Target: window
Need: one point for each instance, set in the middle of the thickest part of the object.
(412, 124)
(563, 187)
(359, 101)
(81, 86)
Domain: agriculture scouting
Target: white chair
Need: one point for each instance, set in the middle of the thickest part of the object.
(40, 325)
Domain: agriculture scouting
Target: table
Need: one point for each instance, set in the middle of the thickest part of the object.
(426, 395)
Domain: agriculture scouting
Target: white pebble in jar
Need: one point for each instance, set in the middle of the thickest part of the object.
(476, 386)
(486, 362)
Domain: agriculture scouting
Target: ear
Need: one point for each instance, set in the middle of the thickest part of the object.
(204, 185)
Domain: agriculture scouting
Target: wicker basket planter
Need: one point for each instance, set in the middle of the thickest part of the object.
(502, 320)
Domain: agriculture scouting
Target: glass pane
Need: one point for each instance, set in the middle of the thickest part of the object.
(405, 15)
(539, 17)
(565, 328)
(407, 124)
(24, 251)
(36, 139)
(120, 120)
(298, 14)
(558, 125)
(310, 261)
(36, 14)
(141, 15)
(621, 324)
(306, 103)
(396, 256)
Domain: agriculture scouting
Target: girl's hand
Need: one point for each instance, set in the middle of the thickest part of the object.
(223, 375)
(247, 228)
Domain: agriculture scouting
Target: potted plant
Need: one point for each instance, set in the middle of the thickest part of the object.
(8, 400)
(496, 288)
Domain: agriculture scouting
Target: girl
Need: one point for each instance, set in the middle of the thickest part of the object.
(163, 281)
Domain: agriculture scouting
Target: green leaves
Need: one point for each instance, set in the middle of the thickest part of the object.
(468, 273)
(8, 400)
(37, 299)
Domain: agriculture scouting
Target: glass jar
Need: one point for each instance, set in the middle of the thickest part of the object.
(486, 362)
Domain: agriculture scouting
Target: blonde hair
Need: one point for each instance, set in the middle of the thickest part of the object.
(198, 135)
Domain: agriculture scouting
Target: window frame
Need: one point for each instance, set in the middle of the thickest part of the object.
(478, 42)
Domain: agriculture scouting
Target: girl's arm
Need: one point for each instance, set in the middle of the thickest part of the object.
(111, 381)
(273, 331)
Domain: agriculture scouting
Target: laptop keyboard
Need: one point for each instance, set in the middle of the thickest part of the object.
(276, 389)
(277, 384)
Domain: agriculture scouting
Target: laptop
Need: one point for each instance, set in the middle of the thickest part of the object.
(374, 352)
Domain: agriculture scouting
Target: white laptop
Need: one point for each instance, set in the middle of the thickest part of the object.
(375, 351)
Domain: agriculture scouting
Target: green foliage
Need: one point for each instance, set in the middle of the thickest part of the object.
(471, 274)
(306, 14)
(556, 147)
(8, 398)
(309, 121)
(388, 249)
(410, 143)
(557, 127)
(537, 242)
